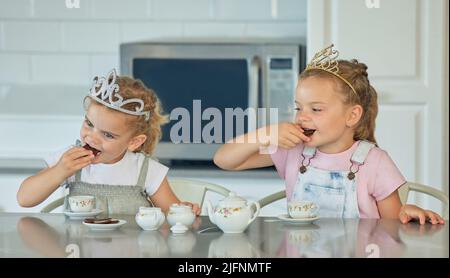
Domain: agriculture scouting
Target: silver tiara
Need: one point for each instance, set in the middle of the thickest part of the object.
(106, 89)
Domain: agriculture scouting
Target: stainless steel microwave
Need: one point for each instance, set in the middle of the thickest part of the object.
(221, 75)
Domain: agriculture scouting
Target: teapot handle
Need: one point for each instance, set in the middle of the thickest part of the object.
(258, 208)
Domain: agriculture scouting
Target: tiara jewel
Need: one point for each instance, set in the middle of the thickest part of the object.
(326, 60)
(107, 89)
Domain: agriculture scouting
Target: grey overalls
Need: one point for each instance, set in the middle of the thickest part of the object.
(116, 199)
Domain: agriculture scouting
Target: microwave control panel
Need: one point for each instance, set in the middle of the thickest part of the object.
(281, 87)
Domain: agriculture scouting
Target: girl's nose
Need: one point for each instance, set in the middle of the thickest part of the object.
(301, 117)
(93, 137)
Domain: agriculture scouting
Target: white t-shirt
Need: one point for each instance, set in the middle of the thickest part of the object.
(124, 172)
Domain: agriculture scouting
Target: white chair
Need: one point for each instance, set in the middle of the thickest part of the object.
(189, 190)
(403, 191)
(194, 191)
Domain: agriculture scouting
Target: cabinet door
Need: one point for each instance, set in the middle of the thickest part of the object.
(405, 46)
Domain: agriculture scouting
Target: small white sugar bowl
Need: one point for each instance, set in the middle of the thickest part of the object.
(180, 213)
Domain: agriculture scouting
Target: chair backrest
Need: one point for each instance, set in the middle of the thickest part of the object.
(405, 189)
(53, 205)
(194, 191)
(272, 198)
(403, 193)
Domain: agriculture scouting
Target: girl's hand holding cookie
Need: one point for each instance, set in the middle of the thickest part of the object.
(73, 160)
(287, 135)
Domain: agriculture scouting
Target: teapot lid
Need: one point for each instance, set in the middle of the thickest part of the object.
(180, 208)
(233, 200)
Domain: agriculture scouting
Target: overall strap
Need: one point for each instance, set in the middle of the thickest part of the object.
(143, 173)
(142, 178)
(78, 176)
(361, 152)
(307, 154)
(358, 157)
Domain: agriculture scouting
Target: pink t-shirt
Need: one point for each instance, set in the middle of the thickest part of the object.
(377, 178)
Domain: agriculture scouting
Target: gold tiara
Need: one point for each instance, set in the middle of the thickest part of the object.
(326, 60)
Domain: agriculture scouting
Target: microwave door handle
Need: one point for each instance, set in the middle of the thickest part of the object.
(255, 65)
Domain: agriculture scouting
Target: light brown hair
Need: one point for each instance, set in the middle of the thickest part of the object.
(366, 96)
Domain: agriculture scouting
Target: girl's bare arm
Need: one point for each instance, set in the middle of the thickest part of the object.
(244, 152)
(391, 207)
(35, 189)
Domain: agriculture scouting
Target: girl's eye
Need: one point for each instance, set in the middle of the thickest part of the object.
(317, 109)
(108, 135)
(89, 124)
(297, 109)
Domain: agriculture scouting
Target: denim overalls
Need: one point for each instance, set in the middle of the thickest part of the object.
(334, 191)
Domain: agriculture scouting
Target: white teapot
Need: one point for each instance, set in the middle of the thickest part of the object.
(232, 214)
(149, 218)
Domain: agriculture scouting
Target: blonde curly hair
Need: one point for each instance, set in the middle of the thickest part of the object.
(134, 88)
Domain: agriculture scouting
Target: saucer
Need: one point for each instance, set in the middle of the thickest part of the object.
(82, 215)
(299, 221)
(105, 227)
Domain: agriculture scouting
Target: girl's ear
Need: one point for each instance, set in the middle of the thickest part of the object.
(136, 142)
(354, 115)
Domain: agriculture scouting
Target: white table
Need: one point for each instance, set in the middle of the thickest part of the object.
(54, 235)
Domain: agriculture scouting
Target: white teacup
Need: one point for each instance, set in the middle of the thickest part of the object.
(81, 203)
(302, 209)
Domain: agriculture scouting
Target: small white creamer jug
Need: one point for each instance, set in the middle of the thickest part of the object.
(149, 218)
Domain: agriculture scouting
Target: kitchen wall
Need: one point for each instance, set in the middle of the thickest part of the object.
(43, 42)
(49, 53)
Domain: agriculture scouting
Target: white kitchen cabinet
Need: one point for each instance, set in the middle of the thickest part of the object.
(9, 185)
(36, 121)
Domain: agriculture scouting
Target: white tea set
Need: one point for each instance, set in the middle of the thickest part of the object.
(180, 217)
(84, 208)
(231, 215)
(301, 212)
(81, 207)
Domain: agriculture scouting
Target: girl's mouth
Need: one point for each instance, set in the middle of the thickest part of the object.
(94, 150)
(308, 132)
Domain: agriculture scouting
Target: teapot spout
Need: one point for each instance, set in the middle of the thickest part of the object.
(210, 211)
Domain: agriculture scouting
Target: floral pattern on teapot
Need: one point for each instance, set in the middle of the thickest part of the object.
(227, 212)
(233, 214)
